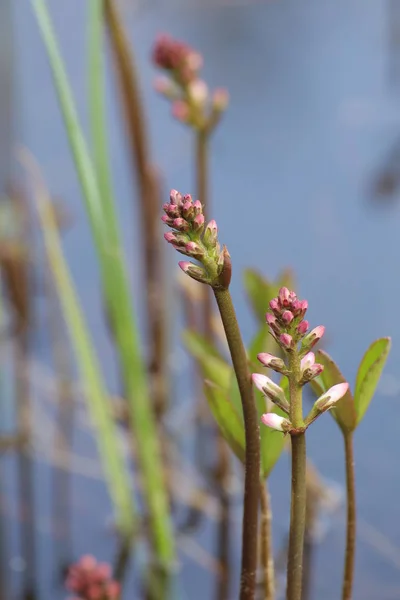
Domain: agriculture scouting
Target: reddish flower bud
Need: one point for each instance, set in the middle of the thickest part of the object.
(287, 317)
(302, 327)
(274, 304)
(284, 296)
(180, 224)
(198, 222)
(286, 341)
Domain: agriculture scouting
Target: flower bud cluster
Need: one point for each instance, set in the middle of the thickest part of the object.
(289, 328)
(287, 324)
(193, 238)
(91, 580)
(191, 101)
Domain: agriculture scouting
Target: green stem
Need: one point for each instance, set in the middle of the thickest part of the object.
(252, 434)
(202, 137)
(267, 557)
(351, 518)
(298, 493)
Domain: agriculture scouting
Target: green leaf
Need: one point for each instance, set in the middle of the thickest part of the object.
(368, 375)
(344, 411)
(211, 364)
(271, 442)
(229, 422)
(260, 291)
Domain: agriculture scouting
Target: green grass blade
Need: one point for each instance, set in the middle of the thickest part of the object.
(97, 112)
(77, 141)
(118, 301)
(116, 472)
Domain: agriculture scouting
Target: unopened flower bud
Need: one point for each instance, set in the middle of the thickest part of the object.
(180, 224)
(181, 111)
(224, 269)
(198, 91)
(302, 327)
(312, 338)
(175, 197)
(276, 422)
(329, 399)
(170, 237)
(187, 210)
(299, 307)
(194, 271)
(271, 390)
(274, 304)
(198, 222)
(284, 296)
(309, 368)
(198, 209)
(286, 341)
(220, 99)
(272, 362)
(287, 317)
(211, 233)
(166, 87)
(194, 250)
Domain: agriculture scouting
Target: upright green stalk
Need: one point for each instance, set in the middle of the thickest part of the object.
(348, 578)
(119, 304)
(97, 112)
(298, 493)
(267, 557)
(252, 460)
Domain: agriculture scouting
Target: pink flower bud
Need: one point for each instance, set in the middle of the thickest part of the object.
(170, 237)
(274, 304)
(286, 340)
(302, 327)
(307, 361)
(272, 322)
(198, 209)
(180, 224)
(211, 233)
(313, 337)
(198, 91)
(271, 390)
(272, 362)
(329, 399)
(299, 307)
(167, 220)
(287, 317)
(181, 111)
(276, 422)
(194, 271)
(187, 210)
(193, 249)
(284, 296)
(220, 99)
(175, 197)
(198, 222)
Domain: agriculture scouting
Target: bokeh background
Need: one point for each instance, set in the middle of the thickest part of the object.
(305, 174)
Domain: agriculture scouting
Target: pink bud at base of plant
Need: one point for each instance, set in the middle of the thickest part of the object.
(270, 389)
(272, 362)
(276, 422)
(329, 398)
(194, 271)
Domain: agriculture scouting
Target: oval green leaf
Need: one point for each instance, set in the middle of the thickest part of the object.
(369, 373)
(344, 412)
(228, 421)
